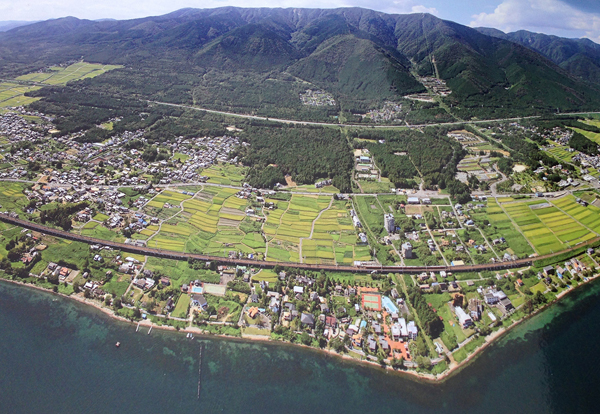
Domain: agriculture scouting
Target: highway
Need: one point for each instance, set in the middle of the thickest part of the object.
(174, 255)
(296, 122)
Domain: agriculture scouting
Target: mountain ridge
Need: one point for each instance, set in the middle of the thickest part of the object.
(580, 57)
(359, 55)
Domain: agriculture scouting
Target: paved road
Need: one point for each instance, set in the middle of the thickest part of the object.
(295, 122)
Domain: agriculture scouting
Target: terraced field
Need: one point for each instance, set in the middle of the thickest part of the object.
(588, 134)
(12, 197)
(288, 230)
(226, 174)
(209, 223)
(588, 216)
(12, 94)
(561, 153)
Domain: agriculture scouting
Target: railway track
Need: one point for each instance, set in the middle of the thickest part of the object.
(169, 254)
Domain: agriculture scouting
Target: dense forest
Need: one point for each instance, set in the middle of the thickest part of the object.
(403, 155)
(307, 154)
(430, 321)
(580, 143)
(61, 214)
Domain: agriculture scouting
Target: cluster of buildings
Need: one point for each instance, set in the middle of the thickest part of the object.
(121, 152)
(569, 269)
(370, 320)
(492, 296)
(391, 111)
(16, 128)
(317, 98)
(435, 85)
(324, 183)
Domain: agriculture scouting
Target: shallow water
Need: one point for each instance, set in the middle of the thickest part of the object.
(59, 356)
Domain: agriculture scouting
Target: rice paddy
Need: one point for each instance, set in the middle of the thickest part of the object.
(13, 93)
(557, 225)
(60, 76)
(308, 228)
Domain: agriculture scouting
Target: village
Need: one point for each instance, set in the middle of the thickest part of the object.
(128, 189)
(423, 321)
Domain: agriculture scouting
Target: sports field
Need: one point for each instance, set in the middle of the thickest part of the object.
(371, 301)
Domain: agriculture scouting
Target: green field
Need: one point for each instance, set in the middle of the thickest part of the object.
(227, 174)
(12, 93)
(588, 134)
(12, 197)
(181, 308)
(555, 226)
(60, 76)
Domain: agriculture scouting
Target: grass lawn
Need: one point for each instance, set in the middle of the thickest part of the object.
(181, 308)
(372, 187)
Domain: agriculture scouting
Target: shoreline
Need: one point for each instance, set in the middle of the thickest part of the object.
(424, 377)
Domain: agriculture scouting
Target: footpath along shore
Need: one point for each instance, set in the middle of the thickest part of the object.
(452, 369)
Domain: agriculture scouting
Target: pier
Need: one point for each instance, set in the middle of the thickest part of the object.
(200, 370)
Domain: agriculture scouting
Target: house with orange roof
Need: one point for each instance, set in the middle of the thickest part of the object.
(252, 312)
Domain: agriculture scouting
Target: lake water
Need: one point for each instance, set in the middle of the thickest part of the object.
(58, 356)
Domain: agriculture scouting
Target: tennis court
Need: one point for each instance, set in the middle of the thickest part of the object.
(371, 301)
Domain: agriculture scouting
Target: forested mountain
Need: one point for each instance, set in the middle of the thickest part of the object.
(11, 24)
(580, 57)
(253, 60)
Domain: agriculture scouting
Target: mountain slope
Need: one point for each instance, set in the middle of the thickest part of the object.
(580, 57)
(356, 54)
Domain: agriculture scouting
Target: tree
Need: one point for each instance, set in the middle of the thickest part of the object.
(305, 338)
(539, 298)
(76, 288)
(337, 345)
(528, 306)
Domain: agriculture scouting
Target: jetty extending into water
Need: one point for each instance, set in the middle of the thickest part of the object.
(200, 370)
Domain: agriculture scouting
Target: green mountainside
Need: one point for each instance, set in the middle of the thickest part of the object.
(361, 57)
(580, 57)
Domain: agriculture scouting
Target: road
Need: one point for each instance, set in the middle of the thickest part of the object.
(295, 122)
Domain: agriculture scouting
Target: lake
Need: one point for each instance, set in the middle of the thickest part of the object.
(59, 356)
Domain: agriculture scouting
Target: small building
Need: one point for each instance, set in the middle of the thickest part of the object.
(548, 270)
(407, 250)
(413, 331)
(389, 223)
(307, 319)
(413, 200)
(464, 319)
(506, 304)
